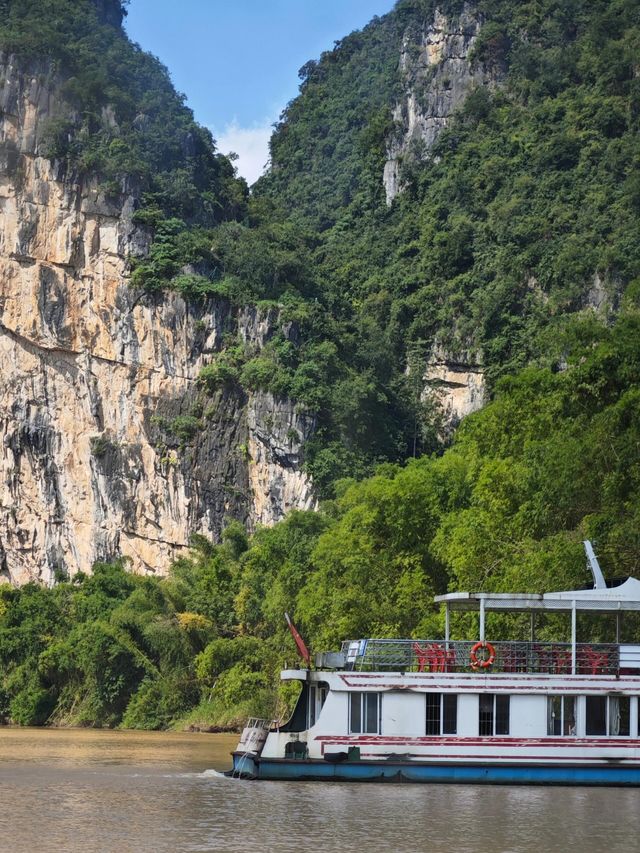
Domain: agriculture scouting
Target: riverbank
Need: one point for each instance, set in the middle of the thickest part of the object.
(180, 726)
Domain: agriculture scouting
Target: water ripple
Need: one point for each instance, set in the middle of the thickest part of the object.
(106, 793)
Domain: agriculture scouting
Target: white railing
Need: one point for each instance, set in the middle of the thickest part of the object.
(258, 723)
(456, 656)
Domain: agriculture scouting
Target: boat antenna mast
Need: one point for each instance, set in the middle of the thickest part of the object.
(593, 564)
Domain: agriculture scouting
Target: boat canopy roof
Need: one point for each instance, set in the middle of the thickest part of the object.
(626, 596)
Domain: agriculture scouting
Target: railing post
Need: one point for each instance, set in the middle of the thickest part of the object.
(573, 637)
(532, 623)
(446, 625)
(482, 620)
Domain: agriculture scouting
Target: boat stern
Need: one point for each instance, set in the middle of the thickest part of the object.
(251, 743)
(245, 765)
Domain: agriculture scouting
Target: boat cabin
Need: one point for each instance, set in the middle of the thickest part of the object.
(462, 703)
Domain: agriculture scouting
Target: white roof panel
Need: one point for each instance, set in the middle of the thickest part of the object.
(627, 591)
(626, 596)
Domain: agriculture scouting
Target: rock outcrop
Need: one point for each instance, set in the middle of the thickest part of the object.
(106, 445)
(437, 75)
(456, 384)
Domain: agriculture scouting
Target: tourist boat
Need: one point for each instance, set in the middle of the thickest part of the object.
(533, 712)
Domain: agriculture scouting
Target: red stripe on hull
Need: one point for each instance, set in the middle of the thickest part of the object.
(390, 740)
(490, 759)
(471, 684)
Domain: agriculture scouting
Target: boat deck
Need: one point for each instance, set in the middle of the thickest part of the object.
(374, 655)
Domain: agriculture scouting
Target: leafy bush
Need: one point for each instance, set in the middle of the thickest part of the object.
(263, 373)
(101, 445)
(224, 653)
(31, 706)
(186, 427)
(157, 703)
(223, 370)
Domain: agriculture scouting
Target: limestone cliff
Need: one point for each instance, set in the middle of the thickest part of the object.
(93, 462)
(437, 74)
(456, 383)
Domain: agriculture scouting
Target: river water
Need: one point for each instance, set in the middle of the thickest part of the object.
(115, 792)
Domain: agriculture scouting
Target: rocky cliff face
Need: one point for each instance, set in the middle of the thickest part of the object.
(437, 74)
(457, 383)
(106, 444)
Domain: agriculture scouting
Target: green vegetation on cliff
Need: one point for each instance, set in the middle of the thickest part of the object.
(553, 459)
(528, 202)
(524, 213)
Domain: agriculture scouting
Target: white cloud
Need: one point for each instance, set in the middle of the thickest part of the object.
(251, 144)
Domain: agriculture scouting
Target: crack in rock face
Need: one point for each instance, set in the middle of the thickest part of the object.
(88, 363)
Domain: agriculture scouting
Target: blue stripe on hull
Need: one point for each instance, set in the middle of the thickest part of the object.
(387, 771)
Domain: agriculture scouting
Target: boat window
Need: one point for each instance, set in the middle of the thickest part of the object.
(561, 719)
(312, 706)
(449, 714)
(364, 713)
(502, 715)
(370, 712)
(608, 715)
(493, 717)
(434, 702)
(485, 721)
(596, 715)
(442, 713)
(619, 715)
(317, 698)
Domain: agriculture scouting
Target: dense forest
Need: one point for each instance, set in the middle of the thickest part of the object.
(530, 195)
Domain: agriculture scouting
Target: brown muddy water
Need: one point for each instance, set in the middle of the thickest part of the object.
(99, 791)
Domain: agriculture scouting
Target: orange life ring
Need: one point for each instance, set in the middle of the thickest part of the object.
(482, 663)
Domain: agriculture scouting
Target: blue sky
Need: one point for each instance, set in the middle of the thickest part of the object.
(237, 61)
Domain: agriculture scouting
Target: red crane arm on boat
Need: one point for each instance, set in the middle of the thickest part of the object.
(304, 651)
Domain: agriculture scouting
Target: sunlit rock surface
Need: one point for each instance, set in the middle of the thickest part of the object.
(92, 373)
(438, 73)
(457, 383)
